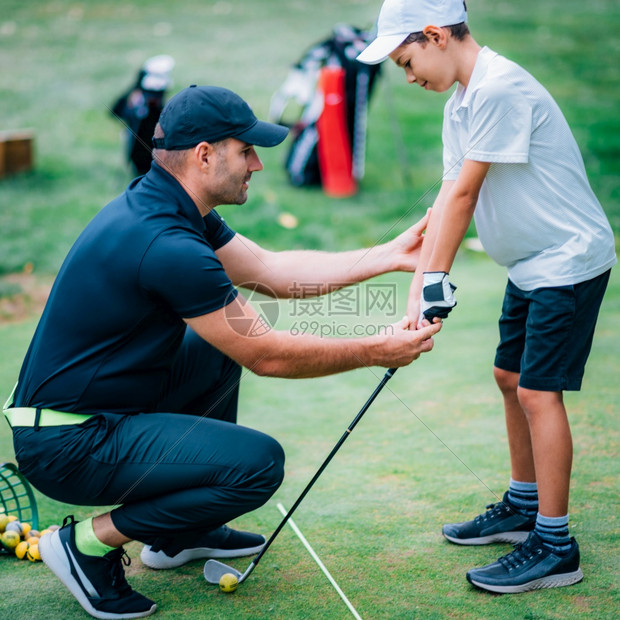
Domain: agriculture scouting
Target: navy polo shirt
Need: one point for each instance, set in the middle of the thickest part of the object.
(113, 323)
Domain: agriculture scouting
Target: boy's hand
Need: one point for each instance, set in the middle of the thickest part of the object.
(437, 296)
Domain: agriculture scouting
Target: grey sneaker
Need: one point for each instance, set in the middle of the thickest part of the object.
(98, 583)
(501, 523)
(222, 542)
(531, 566)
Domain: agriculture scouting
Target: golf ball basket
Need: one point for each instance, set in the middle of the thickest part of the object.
(16, 496)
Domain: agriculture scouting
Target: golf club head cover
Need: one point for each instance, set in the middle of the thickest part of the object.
(437, 295)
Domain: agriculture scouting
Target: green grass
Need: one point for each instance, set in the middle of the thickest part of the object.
(65, 62)
(432, 448)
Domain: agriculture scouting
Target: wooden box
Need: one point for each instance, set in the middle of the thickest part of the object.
(16, 151)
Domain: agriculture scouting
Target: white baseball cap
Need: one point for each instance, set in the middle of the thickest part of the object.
(399, 18)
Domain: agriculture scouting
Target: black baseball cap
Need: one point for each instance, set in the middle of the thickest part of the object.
(209, 114)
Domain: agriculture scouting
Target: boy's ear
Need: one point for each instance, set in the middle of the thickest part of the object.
(436, 35)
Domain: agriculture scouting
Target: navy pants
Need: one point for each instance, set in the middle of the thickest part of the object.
(182, 470)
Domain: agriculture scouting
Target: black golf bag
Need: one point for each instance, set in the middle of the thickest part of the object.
(339, 50)
(140, 107)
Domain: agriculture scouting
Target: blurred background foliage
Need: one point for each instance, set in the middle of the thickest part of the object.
(65, 62)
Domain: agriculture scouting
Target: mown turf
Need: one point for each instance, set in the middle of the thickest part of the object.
(432, 448)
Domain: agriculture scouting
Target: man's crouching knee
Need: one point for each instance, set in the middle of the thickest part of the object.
(265, 468)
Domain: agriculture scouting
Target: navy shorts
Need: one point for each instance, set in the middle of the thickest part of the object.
(546, 334)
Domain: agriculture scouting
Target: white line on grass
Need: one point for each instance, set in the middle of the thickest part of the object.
(318, 561)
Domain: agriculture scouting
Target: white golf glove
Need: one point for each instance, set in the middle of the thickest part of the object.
(437, 296)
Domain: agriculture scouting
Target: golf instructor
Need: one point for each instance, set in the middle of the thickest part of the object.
(128, 392)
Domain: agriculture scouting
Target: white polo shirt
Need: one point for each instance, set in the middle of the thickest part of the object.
(536, 213)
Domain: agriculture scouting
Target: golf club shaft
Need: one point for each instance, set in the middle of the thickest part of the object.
(388, 375)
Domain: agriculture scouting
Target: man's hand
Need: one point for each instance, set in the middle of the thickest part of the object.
(437, 296)
(404, 345)
(405, 248)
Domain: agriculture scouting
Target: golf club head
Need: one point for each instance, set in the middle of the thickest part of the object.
(214, 570)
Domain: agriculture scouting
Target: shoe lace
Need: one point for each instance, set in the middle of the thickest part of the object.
(117, 559)
(523, 552)
(492, 511)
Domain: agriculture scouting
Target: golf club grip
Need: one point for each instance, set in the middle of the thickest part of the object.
(388, 375)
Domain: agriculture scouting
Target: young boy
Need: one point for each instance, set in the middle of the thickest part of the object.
(511, 162)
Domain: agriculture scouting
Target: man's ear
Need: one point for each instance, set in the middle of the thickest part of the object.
(203, 152)
(436, 35)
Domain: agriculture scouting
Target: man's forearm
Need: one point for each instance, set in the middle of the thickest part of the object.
(308, 356)
(283, 354)
(330, 271)
(283, 274)
(312, 356)
(316, 273)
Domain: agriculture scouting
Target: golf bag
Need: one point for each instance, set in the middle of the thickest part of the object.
(304, 84)
(139, 108)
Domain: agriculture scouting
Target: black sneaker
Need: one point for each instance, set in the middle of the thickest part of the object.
(98, 583)
(531, 566)
(500, 523)
(222, 542)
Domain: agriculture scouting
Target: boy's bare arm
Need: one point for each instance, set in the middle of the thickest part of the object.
(450, 218)
(457, 213)
(430, 236)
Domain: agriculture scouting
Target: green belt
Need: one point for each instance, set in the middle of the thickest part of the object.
(26, 416)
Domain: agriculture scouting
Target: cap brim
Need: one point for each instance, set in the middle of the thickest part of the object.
(264, 134)
(381, 48)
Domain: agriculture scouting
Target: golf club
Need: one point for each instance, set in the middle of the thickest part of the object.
(214, 570)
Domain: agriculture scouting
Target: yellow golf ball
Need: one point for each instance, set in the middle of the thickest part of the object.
(26, 529)
(10, 540)
(228, 583)
(22, 549)
(33, 553)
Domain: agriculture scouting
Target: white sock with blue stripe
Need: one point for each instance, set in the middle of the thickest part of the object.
(553, 532)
